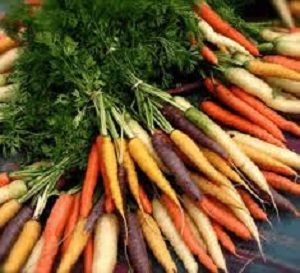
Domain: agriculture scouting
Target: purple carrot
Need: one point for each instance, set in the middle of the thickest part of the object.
(177, 119)
(184, 89)
(136, 246)
(96, 212)
(13, 229)
(175, 165)
(122, 181)
(121, 268)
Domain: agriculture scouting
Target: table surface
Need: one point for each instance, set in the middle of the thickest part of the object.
(281, 242)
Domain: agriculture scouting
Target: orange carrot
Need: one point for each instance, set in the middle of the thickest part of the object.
(219, 25)
(53, 231)
(282, 183)
(232, 120)
(88, 256)
(109, 203)
(89, 183)
(71, 222)
(252, 206)
(4, 179)
(284, 61)
(182, 227)
(251, 113)
(222, 215)
(146, 203)
(224, 238)
(209, 55)
(264, 110)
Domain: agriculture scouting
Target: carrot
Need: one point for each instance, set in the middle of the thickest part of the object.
(295, 9)
(22, 247)
(141, 156)
(284, 155)
(177, 119)
(109, 202)
(205, 11)
(132, 178)
(175, 165)
(31, 263)
(156, 242)
(7, 59)
(237, 156)
(4, 179)
(169, 230)
(282, 183)
(184, 89)
(266, 162)
(12, 230)
(192, 151)
(6, 43)
(146, 204)
(80, 237)
(260, 107)
(220, 164)
(89, 183)
(209, 55)
(53, 231)
(136, 246)
(224, 238)
(88, 255)
(71, 222)
(205, 228)
(264, 69)
(284, 61)
(289, 86)
(15, 189)
(111, 170)
(224, 217)
(253, 207)
(105, 244)
(187, 236)
(218, 113)
(284, 12)
(244, 109)
(8, 210)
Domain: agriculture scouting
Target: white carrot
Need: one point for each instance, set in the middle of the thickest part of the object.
(206, 230)
(216, 38)
(14, 190)
(270, 35)
(169, 230)
(284, 155)
(287, 48)
(106, 244)
(285, 84)
(7, 59)
(257, 87)
(284, 12)
(34, 257)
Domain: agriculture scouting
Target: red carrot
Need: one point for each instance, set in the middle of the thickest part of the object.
(4, 179)
(53, 232)
(224, 238)
(219, 25)
(252, 206)
(229, 98)
(89, 183)
(264, 110)
(222, 215)
(71, 221)
(282, 183)
(175, 165)
(284, 61)
(146, 203)
(232, 120)
(88, 256)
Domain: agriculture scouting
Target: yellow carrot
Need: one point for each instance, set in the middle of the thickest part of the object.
(205, 227)
(192, 151)
(111, 168)
(132, 178)
(221, 164)
(156, 242)
(272, 70)
(145, 161)
(78, 241)
(8, 210)
(22, 247)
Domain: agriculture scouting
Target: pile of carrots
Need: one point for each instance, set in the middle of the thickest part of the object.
(189, 189)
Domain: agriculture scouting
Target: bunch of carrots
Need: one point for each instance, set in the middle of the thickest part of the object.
(225, 160)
